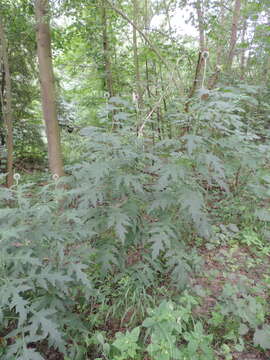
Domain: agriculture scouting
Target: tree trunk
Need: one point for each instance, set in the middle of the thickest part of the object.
(219, 50)
(201, 63)
(168, 17)
(7, 106)
(106, 50)
(202, 59)
(234, 30)
(220, 45)
(200, 16)
(135, 55)
(47, 87)
(243, 52)
(146, 27)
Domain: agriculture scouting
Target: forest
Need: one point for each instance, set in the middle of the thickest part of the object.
(134, 180)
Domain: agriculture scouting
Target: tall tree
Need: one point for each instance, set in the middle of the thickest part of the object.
(47, 86)
(135, 54)
(202, 57)
(7, 104)
(220, 36)
(198, 82)
(200, 16)
(106, 50)
(234, 30)
(220, 40)
(243, 51)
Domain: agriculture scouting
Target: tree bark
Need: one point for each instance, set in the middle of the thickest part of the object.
(200, 16)
(202, 59)
(135, 55)
(220, 45)
(106, 50)
(234, 30)
(47, 85)
(243, 52)
(213, 79)
(168, 17)
(7, 106)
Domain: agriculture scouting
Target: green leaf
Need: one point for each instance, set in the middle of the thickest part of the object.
(41, 320)
(263, 214)
(243, 329)
(262, 337)
(192, 201)
(121, 116)
(30, 354)
(119, 221)
(193, 142)
(21, 307)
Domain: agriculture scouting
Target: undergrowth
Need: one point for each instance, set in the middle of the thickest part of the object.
(101, 264)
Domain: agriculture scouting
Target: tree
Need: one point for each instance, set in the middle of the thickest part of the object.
(108, 81)
(243, 51)
(202, 52)
(7, 105)
(135, 54)
(234, 30)
(47, 87)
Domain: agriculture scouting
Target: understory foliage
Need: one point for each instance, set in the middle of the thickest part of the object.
(100, 248)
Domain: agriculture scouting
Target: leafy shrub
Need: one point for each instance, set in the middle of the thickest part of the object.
(119, 214)
(41, 280)
(118, 231)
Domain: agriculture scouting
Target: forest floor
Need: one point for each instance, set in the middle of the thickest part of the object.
(231, 287)
(232, 266)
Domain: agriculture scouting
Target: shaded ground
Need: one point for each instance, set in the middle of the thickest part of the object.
(225, 265)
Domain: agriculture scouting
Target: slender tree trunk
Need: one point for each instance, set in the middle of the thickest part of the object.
(201, 63)
(138, 94)
(2, 120)
(106, 50)
(147, 73)
(7, 106)
(166, 6)
(147, 26)
(48, 87)
(234, 30)
(168, 124)
(147, 78)
(220, 49)
(243, 52)
(200, 17)
(135, 55)
(158, 110)
(220, 45)
(202, 59)
(251, 43)
(265, 78)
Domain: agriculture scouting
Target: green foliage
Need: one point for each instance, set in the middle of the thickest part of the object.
(95, 265)
(118, 232)
(170, 332)
(239, 312)
(40, 280)
(109, 211)
(29, 148)
(127, 344)
(251, 239)
(168, 324)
